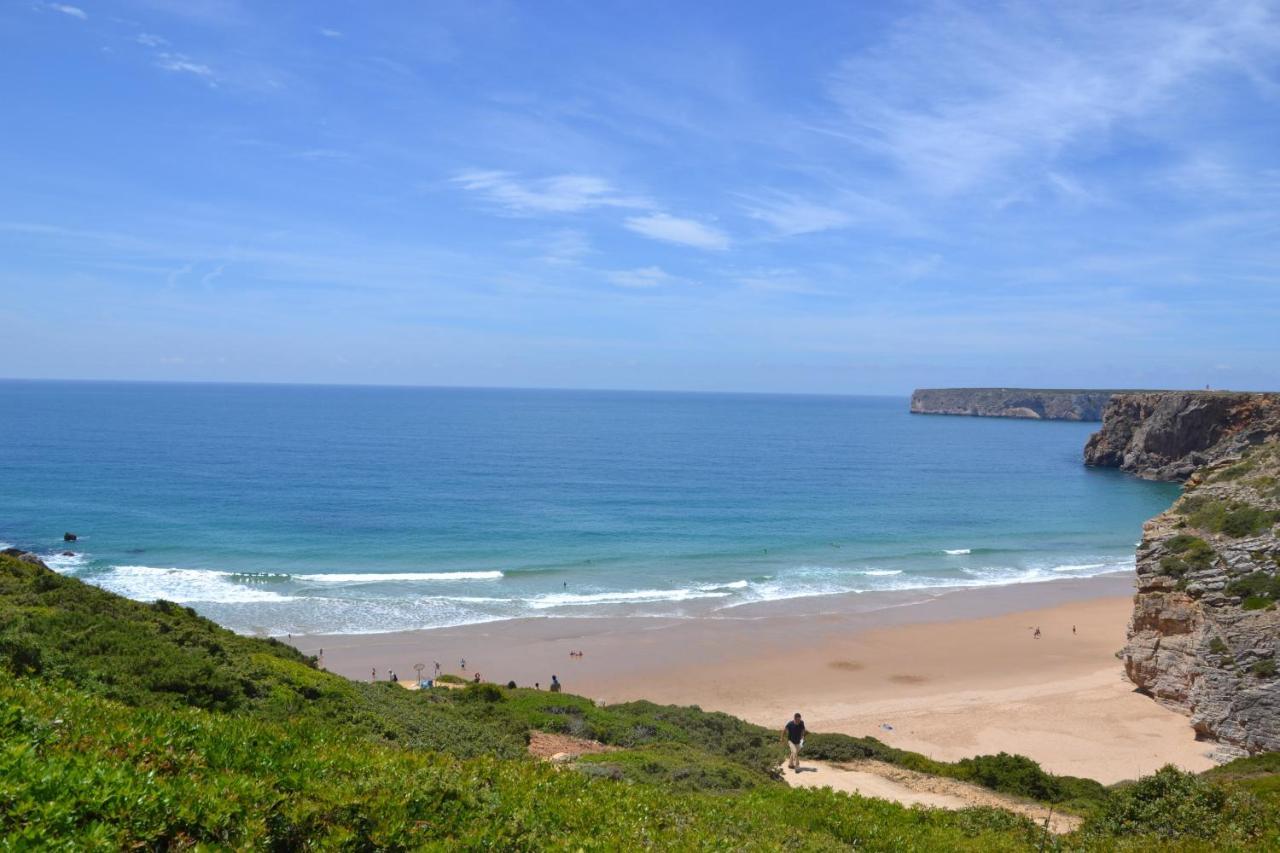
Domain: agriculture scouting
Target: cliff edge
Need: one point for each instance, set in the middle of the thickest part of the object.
(1205, 630)
(1167, 435)
(1037, 404)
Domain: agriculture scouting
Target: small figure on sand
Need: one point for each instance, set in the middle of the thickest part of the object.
(555, 684)
(1073, 630)
(793, 734)
(437, 663)
(1037, 633)
(374, 677)
(477, 678)
(464, 664)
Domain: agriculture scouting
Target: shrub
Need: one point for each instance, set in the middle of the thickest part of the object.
(1258, 589)
(1186, 553)
(1265, 668)
(1231, 519)
(1171, 804)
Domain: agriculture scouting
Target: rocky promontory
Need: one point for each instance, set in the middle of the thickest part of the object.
(1037, 404)
(1205, 630)
(1167, 435)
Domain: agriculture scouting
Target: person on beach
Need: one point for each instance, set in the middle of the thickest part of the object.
(555, 684)
(1037, 633)
(464, 664)
(374, 677)
(437, 675)
(793, 734)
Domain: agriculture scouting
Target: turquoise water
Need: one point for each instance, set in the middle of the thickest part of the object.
(339, 509)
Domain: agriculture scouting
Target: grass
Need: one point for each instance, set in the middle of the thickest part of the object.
(1259, 589)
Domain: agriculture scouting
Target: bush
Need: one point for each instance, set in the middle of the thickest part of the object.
(1231, 519)
(1258, 589)
(1172, 804)
(1264, 668)
(1186, 553)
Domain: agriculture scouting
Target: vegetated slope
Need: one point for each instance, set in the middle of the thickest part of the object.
(126, 724)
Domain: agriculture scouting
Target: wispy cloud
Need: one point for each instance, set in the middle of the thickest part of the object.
(183, 64)
(73, 11)
(641, 277)
(331, 34)
(556, 194)
(675, 229)
(151, 40)
(957, 98)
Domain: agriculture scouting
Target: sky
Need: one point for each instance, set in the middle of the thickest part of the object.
(806, 197)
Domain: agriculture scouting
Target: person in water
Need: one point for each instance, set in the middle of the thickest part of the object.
(793, 734)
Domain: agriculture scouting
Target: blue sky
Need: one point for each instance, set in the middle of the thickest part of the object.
(809, 197)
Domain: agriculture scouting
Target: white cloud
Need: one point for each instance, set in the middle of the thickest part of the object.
(73, 11)
(557, 194)
(151, 40)
(959, 98)
(641, 277)
(674, 229)
(791, 216)
(182, 64)
(332, 34)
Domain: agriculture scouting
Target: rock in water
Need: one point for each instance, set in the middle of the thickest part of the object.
(69, 537)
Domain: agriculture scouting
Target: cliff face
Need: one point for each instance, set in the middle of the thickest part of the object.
(1011, 403)
(1166, 435)
(1205, 629)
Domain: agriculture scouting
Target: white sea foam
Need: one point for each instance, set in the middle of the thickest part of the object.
(638, 596)
(712, 587)
(956, 552)
(62, 563)
(374, 577)
(879, 573)
(148, 583)
(1081, 567)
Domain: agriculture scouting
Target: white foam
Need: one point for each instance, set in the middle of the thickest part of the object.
(639, 596)
(374, 577)
(1082, 567)
(61, 563)
(956, 552)
(148, 583)
(879, 573)
(712, 587)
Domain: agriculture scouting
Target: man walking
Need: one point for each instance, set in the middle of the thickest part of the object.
(793, 734)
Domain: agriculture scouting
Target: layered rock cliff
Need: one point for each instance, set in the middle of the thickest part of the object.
(1205, 630)
(1057, 405)
(1166, 435)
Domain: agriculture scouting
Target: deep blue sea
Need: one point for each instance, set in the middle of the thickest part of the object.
(308, 509)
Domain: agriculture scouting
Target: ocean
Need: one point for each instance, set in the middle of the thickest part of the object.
(308, 509)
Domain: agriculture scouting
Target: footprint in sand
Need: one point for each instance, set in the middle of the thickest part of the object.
(908, 679)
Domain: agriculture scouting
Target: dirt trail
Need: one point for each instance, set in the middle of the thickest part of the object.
(555, 747)
(887, 782)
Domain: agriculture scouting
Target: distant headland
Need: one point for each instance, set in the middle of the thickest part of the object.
(1048, 404)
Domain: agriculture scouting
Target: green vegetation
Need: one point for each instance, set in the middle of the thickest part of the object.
(131, 725)
(1186, 553)
(1264, 668)
(1259, 590)
(1232, 519)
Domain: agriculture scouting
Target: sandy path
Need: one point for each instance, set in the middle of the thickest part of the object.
(886, 782)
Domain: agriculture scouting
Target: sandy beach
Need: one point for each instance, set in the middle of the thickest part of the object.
(949, 675)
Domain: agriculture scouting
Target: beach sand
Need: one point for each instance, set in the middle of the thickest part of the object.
(949, 675)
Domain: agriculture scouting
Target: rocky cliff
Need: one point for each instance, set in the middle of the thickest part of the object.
(1166, 435)
(1205, 629)
(1055, 405)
